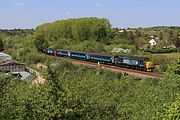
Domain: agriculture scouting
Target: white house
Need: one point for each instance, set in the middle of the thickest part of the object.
(154, 39)
(121, 30)
(153, 42)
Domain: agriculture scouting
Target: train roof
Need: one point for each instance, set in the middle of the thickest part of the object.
(71, 51)
(134, 57)
(102, 54)
(92, 53)
(50, 48)
(107, 55)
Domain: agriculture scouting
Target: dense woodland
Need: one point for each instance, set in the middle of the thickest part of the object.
(79, 92)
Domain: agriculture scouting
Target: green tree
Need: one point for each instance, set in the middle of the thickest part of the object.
(160, 35)
(171, 111)
(130, 37)
(174, 69)
(138, 33)
(40, 42)
(78, 29)
(56, 93)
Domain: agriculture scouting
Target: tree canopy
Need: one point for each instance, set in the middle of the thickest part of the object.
(78, 29)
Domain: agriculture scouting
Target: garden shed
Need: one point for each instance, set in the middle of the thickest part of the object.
(12, 66)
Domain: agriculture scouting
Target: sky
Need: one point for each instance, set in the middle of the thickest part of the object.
(121, 13)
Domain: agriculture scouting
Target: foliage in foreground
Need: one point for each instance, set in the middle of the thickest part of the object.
(78, 92)
(171, 110)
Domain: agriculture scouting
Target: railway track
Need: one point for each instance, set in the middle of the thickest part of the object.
(131, 72)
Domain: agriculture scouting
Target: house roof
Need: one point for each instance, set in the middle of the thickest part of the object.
(4, 57)
(135, 57)
(152, 40)
(92, 53)
(6, 63)
(25, 75)
(58, 50)
(100, 54)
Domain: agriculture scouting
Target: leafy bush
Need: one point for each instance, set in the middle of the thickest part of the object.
(86, 46)
(117, 41)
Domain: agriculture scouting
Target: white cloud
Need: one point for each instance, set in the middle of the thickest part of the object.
(98, 4)
(21, 4)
